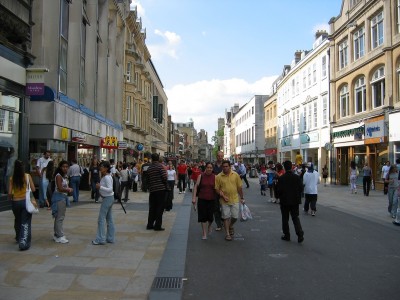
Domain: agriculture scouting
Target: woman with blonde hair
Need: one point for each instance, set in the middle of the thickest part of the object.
(17, 193)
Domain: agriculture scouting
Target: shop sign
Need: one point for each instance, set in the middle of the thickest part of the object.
(122, 145)
(140, 147)
(34, 83)
(349, 132)
(78, 137)
(109, 142)
(64, 133)
(375, 129)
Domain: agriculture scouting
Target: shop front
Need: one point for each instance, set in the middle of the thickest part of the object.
(361, 143)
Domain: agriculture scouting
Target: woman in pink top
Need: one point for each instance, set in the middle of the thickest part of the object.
(204, 189)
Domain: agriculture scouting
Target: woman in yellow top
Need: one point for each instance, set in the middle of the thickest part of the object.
(17, 192)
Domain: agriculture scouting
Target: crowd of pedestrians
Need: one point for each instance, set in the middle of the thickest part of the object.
(216, 189)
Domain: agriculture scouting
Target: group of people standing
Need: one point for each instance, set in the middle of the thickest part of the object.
(54, 192)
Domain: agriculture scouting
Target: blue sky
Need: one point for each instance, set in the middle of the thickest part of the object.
(211, 54)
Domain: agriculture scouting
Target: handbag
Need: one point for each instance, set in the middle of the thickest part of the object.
(30, 207)
(198, 187)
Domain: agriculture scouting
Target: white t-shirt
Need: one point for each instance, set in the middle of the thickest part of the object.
(385, 171)
(171, 174)
(42, 163)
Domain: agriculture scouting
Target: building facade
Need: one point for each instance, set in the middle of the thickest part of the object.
(271, 124)
(365, 80)
(249, 131)
(82, 44)
(303, 105)
(16, 62)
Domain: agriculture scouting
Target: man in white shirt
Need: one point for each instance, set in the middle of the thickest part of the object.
(385, 172)
(40, 165)
(310, 183)
(74, 173)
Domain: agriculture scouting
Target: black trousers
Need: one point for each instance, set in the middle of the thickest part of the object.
(182, 182)
(156, 209)
(366, 184)
(293, 210)
(310, 200)
(245, 180)
(22, 224)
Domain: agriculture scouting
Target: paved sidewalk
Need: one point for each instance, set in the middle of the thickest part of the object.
(80, 270)
(126, 269)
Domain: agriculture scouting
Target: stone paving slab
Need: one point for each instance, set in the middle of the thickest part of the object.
(80, 270)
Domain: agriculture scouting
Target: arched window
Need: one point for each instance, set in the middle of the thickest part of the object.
(378, 87)
(344, 101)
(360, 96)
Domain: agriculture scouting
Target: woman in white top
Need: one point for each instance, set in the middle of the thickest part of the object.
(171, 180)
(353, 177)
(105, 188)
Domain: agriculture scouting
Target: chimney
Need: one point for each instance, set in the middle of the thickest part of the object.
(297, 56)
(322, 33)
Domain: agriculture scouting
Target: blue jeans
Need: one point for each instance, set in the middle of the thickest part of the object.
(105, 215)
(392, 197)
(42, 193)
(75, 181)
(44, 185)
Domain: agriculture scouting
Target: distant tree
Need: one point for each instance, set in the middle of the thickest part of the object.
(218, 136)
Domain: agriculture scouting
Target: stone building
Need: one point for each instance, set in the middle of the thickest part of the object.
(365, 80)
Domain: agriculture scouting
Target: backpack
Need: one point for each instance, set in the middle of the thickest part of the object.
(116, 188)
(271, 177)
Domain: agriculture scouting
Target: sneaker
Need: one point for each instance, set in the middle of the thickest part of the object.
(180, 192)
(94, 242)
(313, 213)
(61, 240)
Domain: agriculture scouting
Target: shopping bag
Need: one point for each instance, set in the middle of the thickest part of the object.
(245, 213)
(29, 199)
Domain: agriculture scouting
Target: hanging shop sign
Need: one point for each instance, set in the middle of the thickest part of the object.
(122, 145)
(78, 137)
(34, 82)
(109, 142)
(286, 142)
(64, 133)
(140, 147)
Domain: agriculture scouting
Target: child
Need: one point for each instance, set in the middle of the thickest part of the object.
(263, 182)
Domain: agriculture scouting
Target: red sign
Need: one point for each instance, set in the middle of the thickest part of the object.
(109, 142)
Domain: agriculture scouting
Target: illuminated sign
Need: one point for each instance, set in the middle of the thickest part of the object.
(109, 142)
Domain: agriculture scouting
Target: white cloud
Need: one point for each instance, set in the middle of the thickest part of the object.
(140, 9)
(168, 47)
(206, 101)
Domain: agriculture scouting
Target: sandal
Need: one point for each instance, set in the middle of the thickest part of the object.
(228, 238)
(231, 231)
(218, 229)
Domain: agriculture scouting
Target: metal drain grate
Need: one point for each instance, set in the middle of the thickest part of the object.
(167, 283)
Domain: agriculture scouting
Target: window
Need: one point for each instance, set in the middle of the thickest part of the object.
(309, 117)
(2, 119)
(298, 119)
(353, 3)
(63, 46)
(309, 76)
(344, 101)
(304, 118)
(397, 99)
(293, 87)
(360, 95)
(128, 71)
(292, 122)
(359, 43)
(343, 55)
(324, 66)
(398, 16)
(136, 114)
(378, 87)
(128, 110)
(314, 72)
(324, 110)
(377, 30)
(315, 114)
(83, 59)
(297, 85)
(304, 80)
